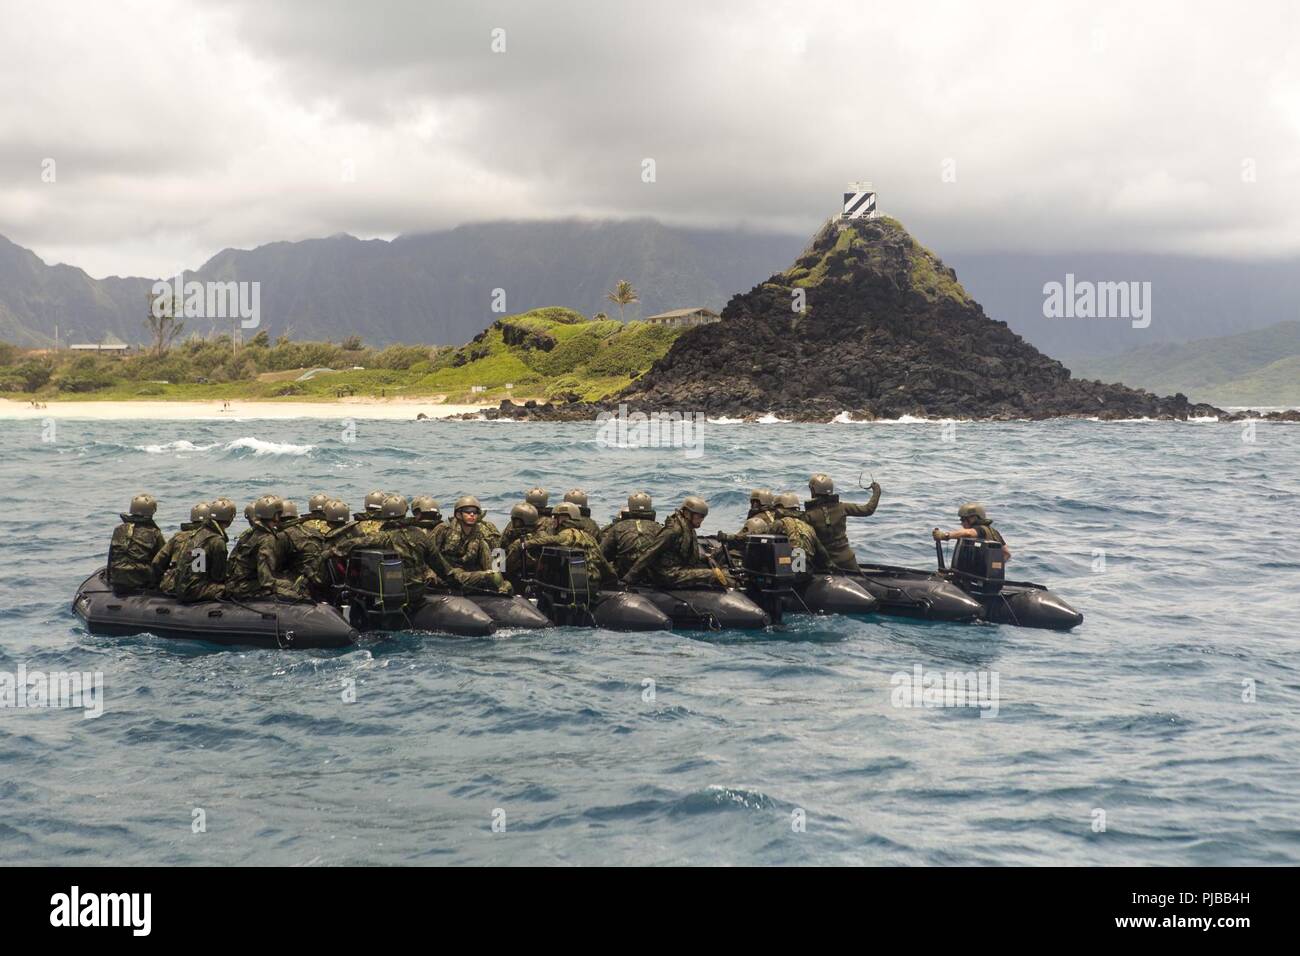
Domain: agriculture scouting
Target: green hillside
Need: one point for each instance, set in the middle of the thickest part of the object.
(550, 353)
(1251, 368)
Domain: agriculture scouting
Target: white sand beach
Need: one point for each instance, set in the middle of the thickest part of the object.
(401, 408)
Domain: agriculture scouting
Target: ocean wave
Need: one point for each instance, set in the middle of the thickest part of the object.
(174, 446)
(257, 446)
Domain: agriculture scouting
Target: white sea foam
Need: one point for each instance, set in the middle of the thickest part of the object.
(173, 446)
(257, 446)
(260, 447)
(770, 419)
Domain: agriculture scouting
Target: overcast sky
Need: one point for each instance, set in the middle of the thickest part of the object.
(181, 127)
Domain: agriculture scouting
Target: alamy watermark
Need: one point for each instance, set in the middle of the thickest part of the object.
(1098, 300)
(53, 689)
(930, 688)
(622, 429)
(179, 299)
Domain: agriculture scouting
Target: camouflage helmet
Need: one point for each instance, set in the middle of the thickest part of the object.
(696, 505)
(762, 497)
(394, 506)
(248, 512)
(639, 501)
(144, 505)
(537, 497)
(525, 513)
(576, 496)
(756, 525)
(317, 502)
(336, 512)
(567, 509)
(290, 508)
(466, 502)
(788, 499)
(424, 504)
(821, 484)
(200, 512)
(223, 510)
(375, 500)
(972, 509)
(267, 508)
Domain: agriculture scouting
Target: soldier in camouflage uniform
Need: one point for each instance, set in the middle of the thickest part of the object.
(463, 546)
(523, 524)
(255, 566)
(200, 573)
(800, 534)
(827, 514)
(330, 567)
(761, 517)
(570, 533)
(576, 496)
(369, 521)
(316, 507)
(631, 535)
(538, 497)
(177, 546)
(304, 546)
(135, 543)
(674, 559)
(975, 523)
(423, 565)
(425, 514)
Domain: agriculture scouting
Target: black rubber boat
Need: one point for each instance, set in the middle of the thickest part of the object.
(709, 609)
(371, 593)
(768, 573)
(907, 592)
(831, 594)
(978, 568)
(260, 623)
(973, 588)
(560, 586)
(514, 611)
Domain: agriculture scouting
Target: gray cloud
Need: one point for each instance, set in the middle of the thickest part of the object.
(1075, 126)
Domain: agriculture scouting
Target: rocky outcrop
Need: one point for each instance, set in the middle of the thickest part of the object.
(869, 322)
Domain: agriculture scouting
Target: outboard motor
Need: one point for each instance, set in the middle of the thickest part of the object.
(979, 564)
(375, 588)
(769, 572)
(563, 592)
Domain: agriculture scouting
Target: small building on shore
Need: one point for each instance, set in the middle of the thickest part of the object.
(110, 345)
(683, 317)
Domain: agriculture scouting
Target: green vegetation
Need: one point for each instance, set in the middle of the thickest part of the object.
(931, 282)
(546, 354)
(1261, 367)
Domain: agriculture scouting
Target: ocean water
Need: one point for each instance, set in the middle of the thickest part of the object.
(1164, 730)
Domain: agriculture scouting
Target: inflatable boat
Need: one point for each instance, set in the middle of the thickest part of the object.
(560, 585)
(907, 592)
(260, 623)
(978, 568)
(768, 573)
(973, 587)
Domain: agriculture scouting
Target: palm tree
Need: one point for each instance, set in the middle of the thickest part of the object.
(623, 295)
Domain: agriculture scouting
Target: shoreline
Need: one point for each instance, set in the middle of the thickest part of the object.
(399, 409)
(408, 409)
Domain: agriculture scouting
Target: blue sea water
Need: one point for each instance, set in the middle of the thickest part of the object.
(1174, 710)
